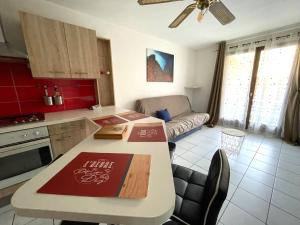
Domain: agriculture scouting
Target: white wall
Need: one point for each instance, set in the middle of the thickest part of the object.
(128, 50)
(205, 64)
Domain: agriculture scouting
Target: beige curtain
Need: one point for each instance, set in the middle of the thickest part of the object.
(215, 94)
(291, 123)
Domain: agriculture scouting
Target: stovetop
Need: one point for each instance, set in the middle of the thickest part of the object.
(21, 119)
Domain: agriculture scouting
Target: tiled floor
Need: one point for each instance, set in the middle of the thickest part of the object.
(265, 177)
(264, 183)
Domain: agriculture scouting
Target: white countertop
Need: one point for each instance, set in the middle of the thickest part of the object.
(156, 208)
(65, 116)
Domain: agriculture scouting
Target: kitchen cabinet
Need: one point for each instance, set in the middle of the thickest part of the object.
(82, 49)
(8, 191)
(105, 82)
(46, 46)
(59, 50)
(65, 136)
(62, 143)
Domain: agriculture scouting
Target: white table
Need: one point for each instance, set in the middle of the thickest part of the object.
(232, 140)
(156, 208)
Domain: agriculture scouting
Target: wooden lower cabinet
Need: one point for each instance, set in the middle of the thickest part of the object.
(61, 143)
(65, 136)
(10, 190)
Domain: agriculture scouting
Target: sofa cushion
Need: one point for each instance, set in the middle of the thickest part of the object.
(184, 123)
(176, 105)
(164, 115)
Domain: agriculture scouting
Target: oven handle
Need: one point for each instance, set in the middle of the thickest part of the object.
(12, 150)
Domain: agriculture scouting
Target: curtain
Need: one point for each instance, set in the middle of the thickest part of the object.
(291, 123)
(215, 94)
(236, 85)
(271, 89)
(273, 79)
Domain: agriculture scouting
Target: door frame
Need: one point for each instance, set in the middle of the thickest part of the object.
(257, 55)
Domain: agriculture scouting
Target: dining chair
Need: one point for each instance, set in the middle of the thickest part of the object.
(199, 197)
(172, 148)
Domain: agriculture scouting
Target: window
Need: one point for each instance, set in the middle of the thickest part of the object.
(255, 87)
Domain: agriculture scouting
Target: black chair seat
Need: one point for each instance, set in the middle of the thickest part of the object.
(189, 188)
(172, 222)
(199, 197)
(67, 222)
(172, 147)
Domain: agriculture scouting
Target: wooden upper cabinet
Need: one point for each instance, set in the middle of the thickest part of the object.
(46, 46)
(82, 48)
(59, 50)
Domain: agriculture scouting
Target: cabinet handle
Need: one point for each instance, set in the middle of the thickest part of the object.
(105, 72)
(64, 138)
(80, 72)
(56, 72)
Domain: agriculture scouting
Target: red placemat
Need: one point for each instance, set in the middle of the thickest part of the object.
(132, 115)
(147, 132)
(109, 120)
(90, 174)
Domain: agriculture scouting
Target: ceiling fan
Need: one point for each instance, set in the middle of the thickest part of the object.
(216, 7)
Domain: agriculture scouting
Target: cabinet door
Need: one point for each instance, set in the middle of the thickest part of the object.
(82, 49)
(105, 82)
(64, 142)
(46, 46)
(67, 127)
(4, 192)
(104, 56)
(65, 136)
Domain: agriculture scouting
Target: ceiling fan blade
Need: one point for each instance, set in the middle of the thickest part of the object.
(148, 2)
(221, 12)
(184, 14)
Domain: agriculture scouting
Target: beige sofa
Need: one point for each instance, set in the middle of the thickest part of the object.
(184, 120)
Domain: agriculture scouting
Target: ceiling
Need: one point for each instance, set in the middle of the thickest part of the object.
(252, 16)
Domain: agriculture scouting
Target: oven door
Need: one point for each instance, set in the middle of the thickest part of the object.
(21, 162)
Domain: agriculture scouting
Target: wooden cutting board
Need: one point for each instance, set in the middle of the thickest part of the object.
(111, 132)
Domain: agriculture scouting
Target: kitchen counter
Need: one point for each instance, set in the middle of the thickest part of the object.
(155, 209)
(65, 116)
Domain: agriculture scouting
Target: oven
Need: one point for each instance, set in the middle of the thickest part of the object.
(23, 154)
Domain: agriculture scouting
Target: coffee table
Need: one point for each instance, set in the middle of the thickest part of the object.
(232, 140)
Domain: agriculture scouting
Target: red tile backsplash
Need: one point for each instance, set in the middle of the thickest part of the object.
(5, 76)
(83, 102)
(9, 108)
(20, 93)
(8, 94)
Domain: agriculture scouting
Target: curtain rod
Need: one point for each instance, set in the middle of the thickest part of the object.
(257, 42)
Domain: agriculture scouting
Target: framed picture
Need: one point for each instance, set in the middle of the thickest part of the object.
(160, 66)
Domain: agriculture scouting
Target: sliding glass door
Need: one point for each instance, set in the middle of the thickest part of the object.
(236, 88)
(255, 88)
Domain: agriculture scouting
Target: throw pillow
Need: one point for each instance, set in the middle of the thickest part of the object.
(164, 115)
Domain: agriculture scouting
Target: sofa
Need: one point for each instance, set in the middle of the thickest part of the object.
(184, 120)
